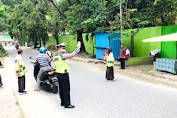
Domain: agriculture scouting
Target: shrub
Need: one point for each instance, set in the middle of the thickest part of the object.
(3, 52)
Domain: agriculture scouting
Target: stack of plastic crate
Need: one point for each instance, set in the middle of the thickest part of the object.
(168, 65)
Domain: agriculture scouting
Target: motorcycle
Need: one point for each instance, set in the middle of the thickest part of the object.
(48, 79)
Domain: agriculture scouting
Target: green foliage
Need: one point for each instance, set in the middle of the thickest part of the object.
(28, 21)
(3, 16)
(3, 52)
(11, 2)
(33, 20)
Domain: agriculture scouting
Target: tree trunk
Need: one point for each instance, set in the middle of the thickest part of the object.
(44, 42)
(35, 42)
(56, 38)
(80, 38)
(132, 44)
(92, 35)
(58, 9)
(40, 43)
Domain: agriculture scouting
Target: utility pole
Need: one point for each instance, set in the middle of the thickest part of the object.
(121, 27)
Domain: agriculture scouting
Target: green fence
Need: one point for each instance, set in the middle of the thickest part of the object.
(140, 49)
(169, 49)
(71, 42)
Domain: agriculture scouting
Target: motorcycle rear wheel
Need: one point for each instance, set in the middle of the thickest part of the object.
(55, 89)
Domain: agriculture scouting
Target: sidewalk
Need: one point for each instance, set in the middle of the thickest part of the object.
(9, 107)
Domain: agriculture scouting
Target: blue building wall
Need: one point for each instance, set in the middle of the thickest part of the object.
(105, 40)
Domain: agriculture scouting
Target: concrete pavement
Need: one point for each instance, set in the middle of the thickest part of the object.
(9, 105)
(95, 97)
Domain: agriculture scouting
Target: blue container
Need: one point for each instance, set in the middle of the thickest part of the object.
(105, 40)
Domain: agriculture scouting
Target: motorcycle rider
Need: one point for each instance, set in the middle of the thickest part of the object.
(44, 63)
(48, 52)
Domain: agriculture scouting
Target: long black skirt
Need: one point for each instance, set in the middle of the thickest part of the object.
(110, 73)
(0, 80)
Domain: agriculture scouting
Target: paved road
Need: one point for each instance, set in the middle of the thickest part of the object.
(94, 97)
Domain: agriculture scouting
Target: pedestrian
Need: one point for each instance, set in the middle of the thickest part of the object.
(16, 45)
(20, 72)
(127, 56)
(44, 63)
(62, 72)
(104, 55)
(26, 44)
(1, 85)
(122, 56)
(110, 65)
(48, 52)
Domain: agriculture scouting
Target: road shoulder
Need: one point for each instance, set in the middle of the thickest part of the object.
(9, 105)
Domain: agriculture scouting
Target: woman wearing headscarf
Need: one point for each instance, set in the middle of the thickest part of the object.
(110, 65)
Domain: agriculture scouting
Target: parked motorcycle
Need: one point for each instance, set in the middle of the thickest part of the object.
(48, 79)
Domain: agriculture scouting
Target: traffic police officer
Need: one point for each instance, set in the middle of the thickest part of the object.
(62, 72)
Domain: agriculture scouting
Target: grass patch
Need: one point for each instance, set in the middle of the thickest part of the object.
(140, 60)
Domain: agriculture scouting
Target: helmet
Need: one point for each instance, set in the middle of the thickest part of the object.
(42, 50)
(61, 45)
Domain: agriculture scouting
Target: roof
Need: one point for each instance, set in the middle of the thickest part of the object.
(165, 38)
(5, 37)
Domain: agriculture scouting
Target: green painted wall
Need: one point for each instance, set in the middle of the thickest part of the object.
(71, 42)
(142, 49)
(169, 49)
(69, 39)
(89, 43)
(51, 41)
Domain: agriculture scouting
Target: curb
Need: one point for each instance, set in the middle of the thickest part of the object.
(18, 104)
(93, 61)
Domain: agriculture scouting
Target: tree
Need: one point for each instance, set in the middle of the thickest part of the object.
(55, 24)
(85, 16)
(11, 2)
(33, 20)
(28, 22)
(3, 16)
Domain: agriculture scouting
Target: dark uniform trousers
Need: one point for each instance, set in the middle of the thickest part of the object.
(64, 88)
(21, 83)
(122, 62)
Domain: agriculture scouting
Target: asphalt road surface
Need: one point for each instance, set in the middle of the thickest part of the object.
(94, 96)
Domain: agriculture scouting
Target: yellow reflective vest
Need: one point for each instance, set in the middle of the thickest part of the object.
(110, 60)
(20, 66)
(61, 65)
